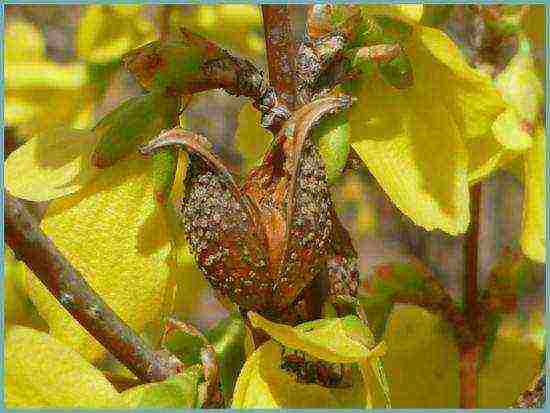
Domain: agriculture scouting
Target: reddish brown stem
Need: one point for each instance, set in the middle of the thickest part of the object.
(469, 352)
(469, 356)
(281, 52)
(68, 286)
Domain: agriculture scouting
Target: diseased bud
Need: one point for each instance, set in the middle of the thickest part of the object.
(262, 244)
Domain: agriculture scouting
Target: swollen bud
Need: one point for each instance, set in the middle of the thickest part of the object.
(135, 121)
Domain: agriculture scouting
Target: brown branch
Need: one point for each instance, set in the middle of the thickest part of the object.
(66, 284)
(469, 352)
(281, 52)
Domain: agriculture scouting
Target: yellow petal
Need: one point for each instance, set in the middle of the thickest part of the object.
(105, 231)
(520, 85)
(250, 138)
(411, 13)
(51, 165)
(237, 27)
(424, 167)
(40, 372)
(23, 42)
(105, 33)
(263, 384)
(18, 309)
(30, 109)
(533, 236)
(508, 130)
(45, 75)
(326, 339)
(470, 95)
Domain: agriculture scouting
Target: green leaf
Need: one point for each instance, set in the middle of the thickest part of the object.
(398, 72)
(135, 121)
(228, 337)
(165, 163)
(51, 165)
(40, 372)
(333, 136)
(180, 391)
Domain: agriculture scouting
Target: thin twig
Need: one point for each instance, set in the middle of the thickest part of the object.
(66, 284)
(469, 352)
(281, 52)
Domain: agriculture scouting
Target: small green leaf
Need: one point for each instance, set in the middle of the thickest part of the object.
(333, 136)
(133, 122)
(398, 72)
(165, 162)
(179, 391)
(227, 338)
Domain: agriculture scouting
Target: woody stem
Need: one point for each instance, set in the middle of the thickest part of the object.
(469, 351)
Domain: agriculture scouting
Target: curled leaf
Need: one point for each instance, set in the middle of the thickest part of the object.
(328, 339)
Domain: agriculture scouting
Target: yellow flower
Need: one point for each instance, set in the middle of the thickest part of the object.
(519, 134)
(414, 141)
